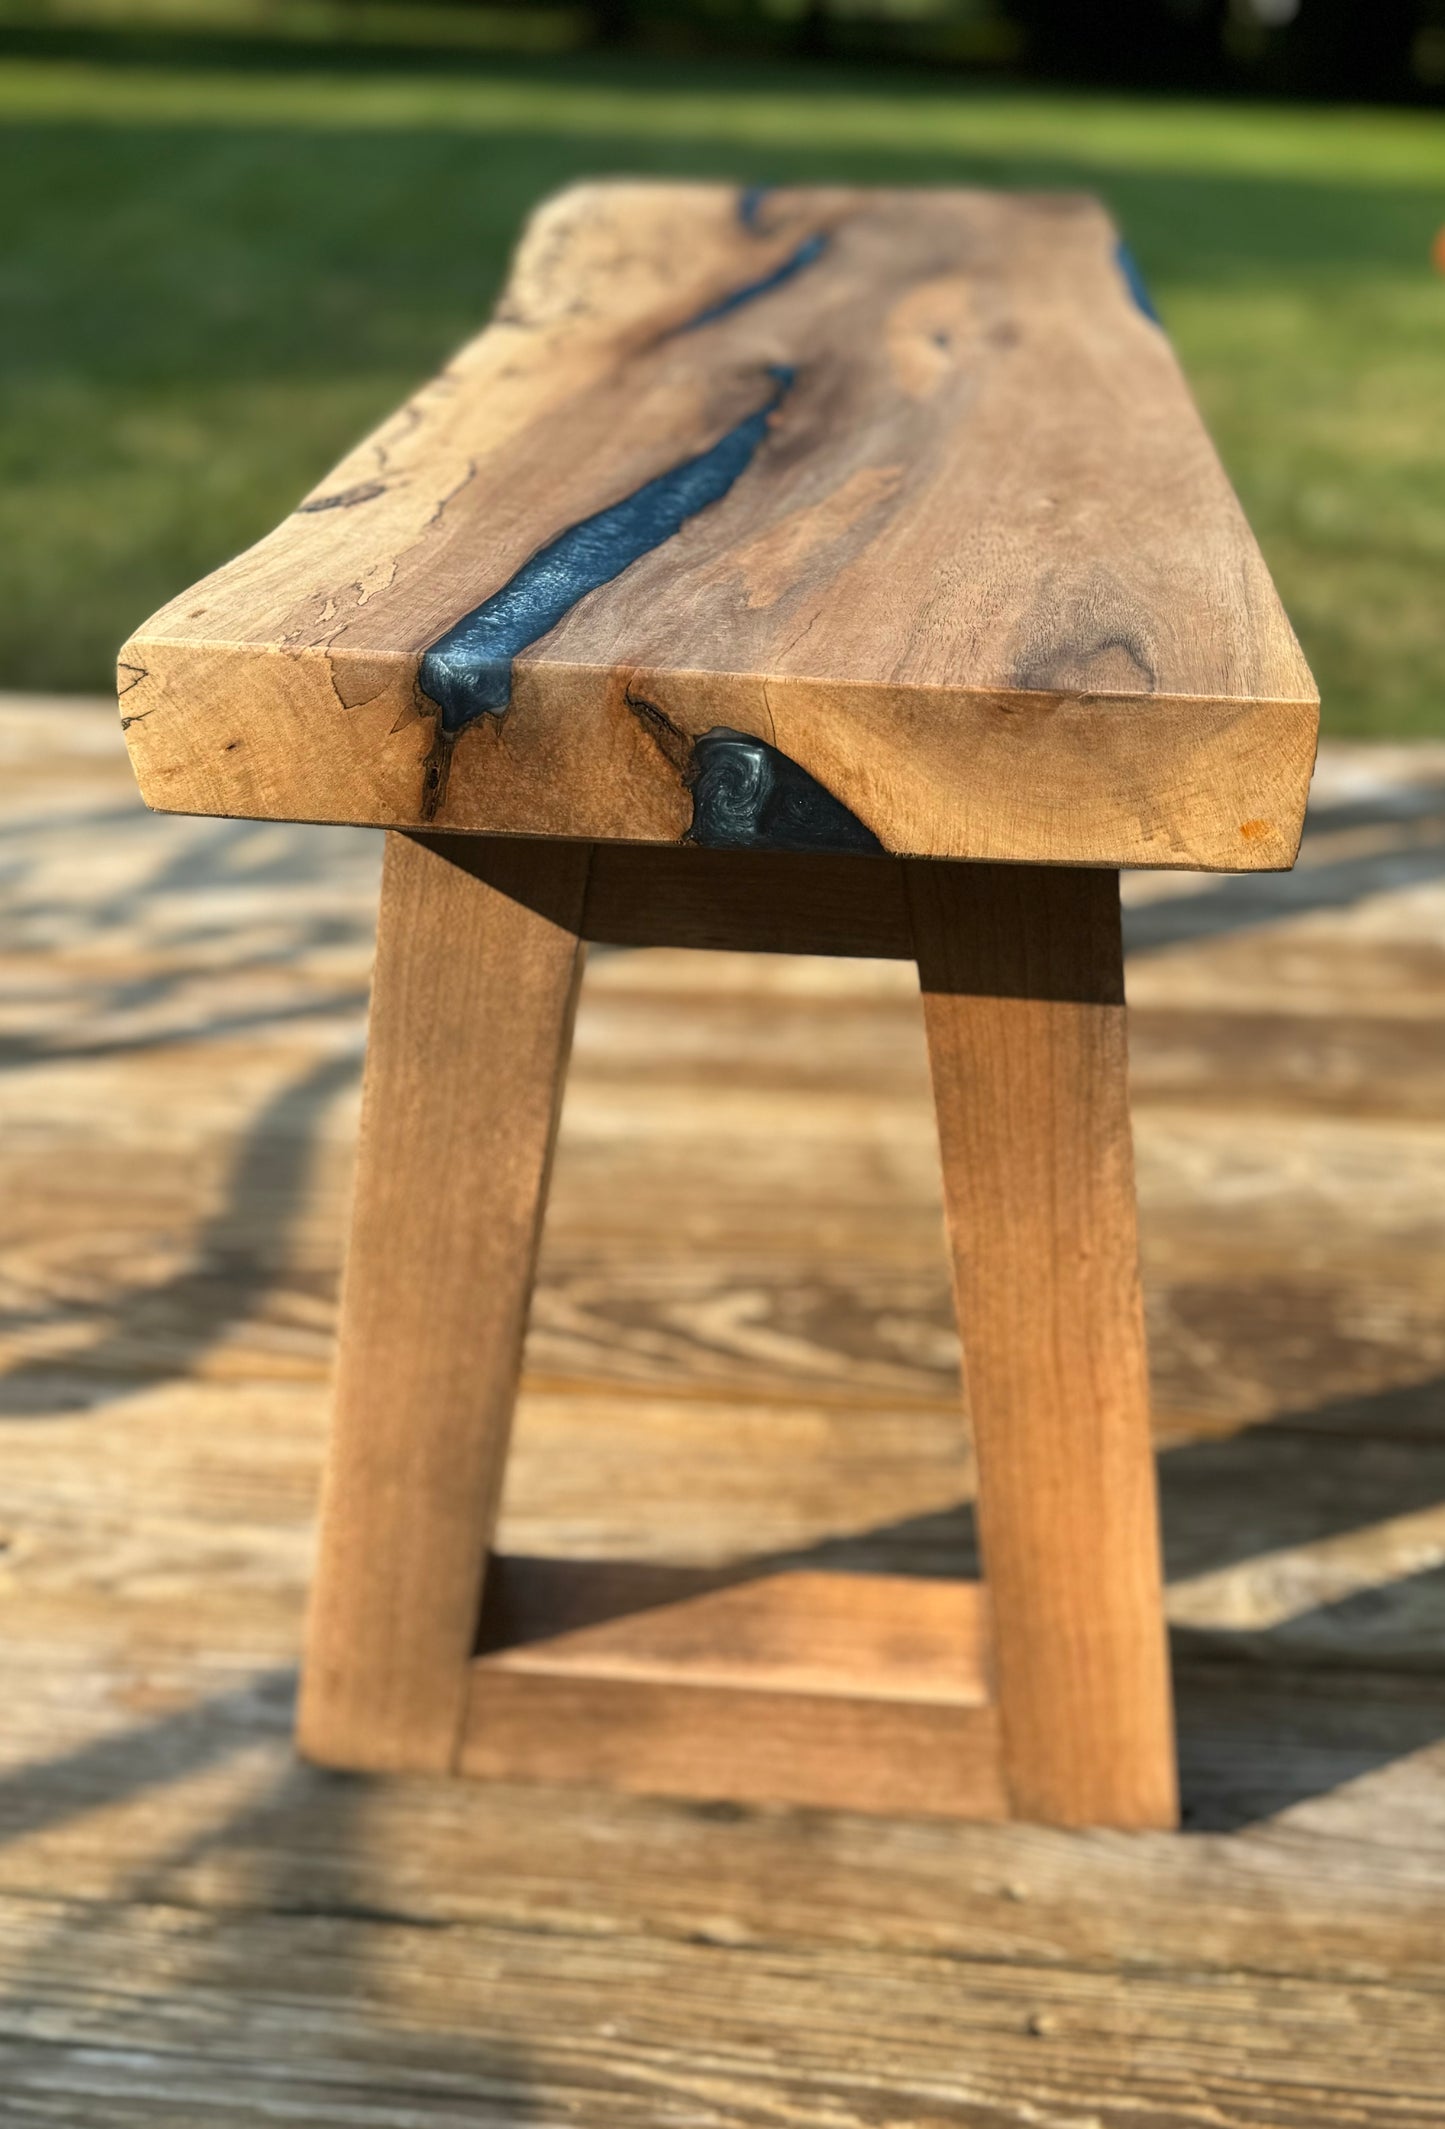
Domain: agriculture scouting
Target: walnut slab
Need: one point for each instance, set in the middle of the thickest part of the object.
(803, 520)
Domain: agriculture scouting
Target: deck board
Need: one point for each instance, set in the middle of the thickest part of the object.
(742, 1351)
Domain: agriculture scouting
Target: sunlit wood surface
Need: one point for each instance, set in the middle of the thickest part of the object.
(821, 513)
(742, 1348)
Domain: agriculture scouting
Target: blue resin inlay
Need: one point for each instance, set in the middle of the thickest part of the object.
(750, 205)
(747, 795)
(807, 254)
(468, 671)
(1129, 268)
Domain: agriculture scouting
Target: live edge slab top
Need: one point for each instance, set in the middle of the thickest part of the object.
(789, 519)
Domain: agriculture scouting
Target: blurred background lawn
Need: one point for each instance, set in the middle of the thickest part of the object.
(222, 260)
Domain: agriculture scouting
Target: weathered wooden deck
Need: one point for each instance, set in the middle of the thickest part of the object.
(742, 1346)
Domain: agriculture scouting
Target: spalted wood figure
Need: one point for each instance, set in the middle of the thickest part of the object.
(808, 570)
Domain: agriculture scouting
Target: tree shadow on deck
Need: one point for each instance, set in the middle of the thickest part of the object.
(1410, 819)
(1306, 1695)
(1261, 1732)
(1270, 1714)
(242, 1970)
(155, 1330)
(210, 909)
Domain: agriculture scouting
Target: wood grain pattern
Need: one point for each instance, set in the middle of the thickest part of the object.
(145, 2014)
(753, 902)
(1023, 997)
(815, 519)
(1034, 1129)
(196, 1929)
(841, 1691)
(471, 1024)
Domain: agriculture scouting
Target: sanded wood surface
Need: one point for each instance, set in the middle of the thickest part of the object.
(470, 1030)
(1022, 977)
(756, 901)
(813, 519)
(843, 1691)
(1023, 1000)
(741, 1361)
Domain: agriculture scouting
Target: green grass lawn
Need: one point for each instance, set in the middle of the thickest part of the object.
(211, 278)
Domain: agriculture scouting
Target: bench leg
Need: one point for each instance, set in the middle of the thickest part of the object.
(1022, 975)
(471, 1024)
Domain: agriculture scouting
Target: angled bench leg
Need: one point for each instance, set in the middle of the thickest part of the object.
(1022, 976)
(471, 1024)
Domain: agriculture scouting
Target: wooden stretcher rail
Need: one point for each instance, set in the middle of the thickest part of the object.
(848, 1692)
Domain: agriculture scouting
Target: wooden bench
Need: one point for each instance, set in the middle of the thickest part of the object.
(815, 571)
